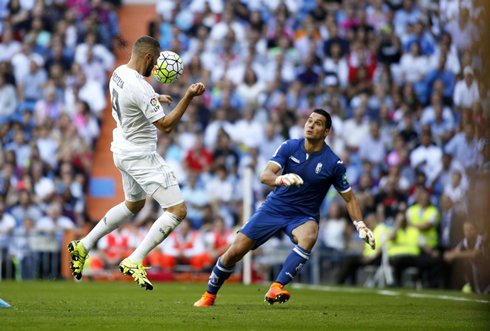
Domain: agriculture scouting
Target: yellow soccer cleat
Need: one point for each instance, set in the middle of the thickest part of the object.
(137, 271)
(78, 256)
(276, 294)
(206, 300)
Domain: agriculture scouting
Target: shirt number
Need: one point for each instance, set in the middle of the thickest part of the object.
(115, 103)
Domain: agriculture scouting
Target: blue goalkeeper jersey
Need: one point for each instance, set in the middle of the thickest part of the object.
(318, 170)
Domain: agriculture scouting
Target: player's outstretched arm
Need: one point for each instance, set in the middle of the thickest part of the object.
(355, 213)
(167, 123)
(269, 177)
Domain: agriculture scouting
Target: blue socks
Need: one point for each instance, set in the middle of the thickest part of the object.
(218, 276)
(293, 264)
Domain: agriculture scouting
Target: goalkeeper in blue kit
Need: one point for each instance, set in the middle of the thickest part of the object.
(309, 167)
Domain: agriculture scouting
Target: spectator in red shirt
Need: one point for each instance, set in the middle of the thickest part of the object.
(198, 158)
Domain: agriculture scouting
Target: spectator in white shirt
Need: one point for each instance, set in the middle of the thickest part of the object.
(248, 132)
(446, 48)
(336, 64)
(414, 65)
(7, 226)
(271, 142)
(54, 221)
(100, 52)
(466, 90)
(355, 130)
(464, 32)
(429, 114)
(211, 131)
(8, 46)
(249, 90)
(8, 98)
(455, 190)
(441, 128)
(219, 188)
(427, 157)
(373, 148)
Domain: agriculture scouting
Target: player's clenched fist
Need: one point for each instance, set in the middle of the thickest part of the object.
(288, 180)
(196, 89)
(365, 234)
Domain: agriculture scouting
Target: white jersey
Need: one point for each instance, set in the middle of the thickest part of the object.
(135, 107)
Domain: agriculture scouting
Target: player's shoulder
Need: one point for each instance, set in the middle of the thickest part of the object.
(131, 79)
(331, 158)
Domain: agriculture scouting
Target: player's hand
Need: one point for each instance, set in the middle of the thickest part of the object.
(165, 99)
(196, 89)
(365, 234)
(288, 180)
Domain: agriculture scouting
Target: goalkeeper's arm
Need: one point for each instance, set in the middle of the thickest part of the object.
(270, 176)
(355, 214)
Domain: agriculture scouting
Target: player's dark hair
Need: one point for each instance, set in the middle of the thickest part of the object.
(328, 122)
(146, 44)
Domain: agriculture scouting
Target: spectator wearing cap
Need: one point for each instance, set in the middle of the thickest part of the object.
(466, 90)
(8, 98)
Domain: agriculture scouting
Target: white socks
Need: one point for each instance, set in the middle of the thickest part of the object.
(114, 218)
(158, 232)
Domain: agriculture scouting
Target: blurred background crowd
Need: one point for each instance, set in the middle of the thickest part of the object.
(402, 79)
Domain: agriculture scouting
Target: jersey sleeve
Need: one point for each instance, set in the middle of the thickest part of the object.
(281, 154)
(148, 103)
(339, 179)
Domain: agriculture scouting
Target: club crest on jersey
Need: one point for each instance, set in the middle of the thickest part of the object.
(318, 167)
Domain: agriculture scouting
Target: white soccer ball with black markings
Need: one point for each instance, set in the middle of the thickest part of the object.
(169, 67)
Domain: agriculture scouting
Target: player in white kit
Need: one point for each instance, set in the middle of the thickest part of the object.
(137, 110)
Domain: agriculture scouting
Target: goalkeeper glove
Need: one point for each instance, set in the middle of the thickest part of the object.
(365, 234)
(288, 180)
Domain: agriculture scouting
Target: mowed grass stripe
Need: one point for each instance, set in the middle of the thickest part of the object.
(62, 305)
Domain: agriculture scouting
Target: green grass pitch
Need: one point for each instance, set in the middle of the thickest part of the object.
(61, 305)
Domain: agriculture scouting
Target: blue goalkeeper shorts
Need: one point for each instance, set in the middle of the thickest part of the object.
(263, 225)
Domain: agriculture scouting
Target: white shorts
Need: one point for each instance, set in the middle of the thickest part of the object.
(143, 175)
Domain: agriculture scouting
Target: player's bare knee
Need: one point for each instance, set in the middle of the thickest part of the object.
(179, 210)
(308, 240)
(135, 206)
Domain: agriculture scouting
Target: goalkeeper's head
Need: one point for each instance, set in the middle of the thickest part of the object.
(318, 125)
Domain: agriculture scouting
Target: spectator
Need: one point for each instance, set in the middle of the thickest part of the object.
(427, 157)
(414, 65)
(8, 47)
(437, 74)
(20, 147)
(463, 32)
(373, 148)
(455, 190)
(335, 64)
(54, 222)
(7, 226)
(335, 231)
(184, 246)
(356, 130)
(218, 187)
(198, 158)
(424, 217)
(26, 209)
(8, 98)
(422, 37)
(334, 38)
(48, 109)
(464, 148)
(404, 249)
(218, 239)
(442, 128)
(469, 251)
(409, 14)
(466, 91)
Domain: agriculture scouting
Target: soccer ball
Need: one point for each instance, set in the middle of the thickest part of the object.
(169, 67)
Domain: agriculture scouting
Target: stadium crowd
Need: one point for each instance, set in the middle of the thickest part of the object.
(402, 80)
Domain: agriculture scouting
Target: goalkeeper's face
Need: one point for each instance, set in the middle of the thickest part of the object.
(315, 127)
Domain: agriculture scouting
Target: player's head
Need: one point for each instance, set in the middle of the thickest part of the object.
(318, 125)
(146, 49)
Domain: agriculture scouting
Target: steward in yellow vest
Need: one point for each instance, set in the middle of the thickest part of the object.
(425, 218)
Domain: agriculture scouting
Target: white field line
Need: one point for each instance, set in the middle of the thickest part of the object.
(386, 292)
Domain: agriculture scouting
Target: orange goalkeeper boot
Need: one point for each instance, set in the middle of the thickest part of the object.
(276, 294)
(206, 300)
